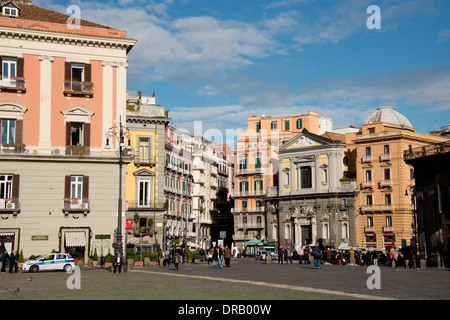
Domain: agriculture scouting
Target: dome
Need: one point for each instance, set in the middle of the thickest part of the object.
(388, 114)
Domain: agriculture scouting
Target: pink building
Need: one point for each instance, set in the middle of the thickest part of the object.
(62, 87)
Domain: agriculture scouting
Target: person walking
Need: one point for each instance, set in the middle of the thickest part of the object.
(5, 258)
(216, 257)
(288, 255)
(176, 258)
(317, 255)
(221, 255)
(118, 263)
(280, 254)
(300, 254)
(227, 256)
(352, 256)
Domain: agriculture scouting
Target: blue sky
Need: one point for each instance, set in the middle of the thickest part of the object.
(220, 62)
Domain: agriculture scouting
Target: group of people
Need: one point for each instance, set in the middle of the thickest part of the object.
(220, 257)
(303, 255)
(13, 259)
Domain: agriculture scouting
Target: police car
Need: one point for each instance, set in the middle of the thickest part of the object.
(52, 261)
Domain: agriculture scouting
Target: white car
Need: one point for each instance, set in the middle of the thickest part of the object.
(51, 261)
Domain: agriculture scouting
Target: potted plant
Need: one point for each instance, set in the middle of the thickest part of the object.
(95, 258)
(21, 259)
(109, 259)
(154, 258)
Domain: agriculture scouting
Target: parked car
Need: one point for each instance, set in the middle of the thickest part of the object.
(261, 255)
(50, 262)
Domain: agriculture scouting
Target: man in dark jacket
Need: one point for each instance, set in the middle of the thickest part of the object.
(12, 261)
(280, 254)
(5, 258)
(16, 262)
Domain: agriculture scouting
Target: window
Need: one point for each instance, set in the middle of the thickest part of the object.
(6, 183)
(258, 127)
(287, 232)
(258, 163)
(388, 221)
(369, 200)
(344, 231)
(244, 187)
(370, 221)
(258, 186)
(259, 220)
(368, 175)
(243, 164)
(10, 10)
(324, 176)
(8, 131)
(76, 187)
(388, 199)
(244, 220)
(286, 178)
(273, 126)
(306, 178)
(299, 123)
(78, 134)
(286, 125)
(144, 196)
(9, 67)
(144, 150)
(325, 231)
(368, 151)
(387, 174)
(77, 78)
(386, 149)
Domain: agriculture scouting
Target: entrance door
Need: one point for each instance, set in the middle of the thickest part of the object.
(75, 244)
(306, 235)
(6, 243)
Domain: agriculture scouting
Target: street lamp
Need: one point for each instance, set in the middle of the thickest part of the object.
(119, 133)
(414, 225)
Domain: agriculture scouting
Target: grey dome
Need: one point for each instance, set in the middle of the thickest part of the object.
(388, 114)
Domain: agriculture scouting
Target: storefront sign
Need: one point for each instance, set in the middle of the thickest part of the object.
(102, 236)
(129, 224)
(39, 238)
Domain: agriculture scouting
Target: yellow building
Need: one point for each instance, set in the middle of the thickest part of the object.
(145, 174)
(384, 212)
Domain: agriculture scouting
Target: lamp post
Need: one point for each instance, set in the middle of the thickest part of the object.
(414, 225)
(119, 133)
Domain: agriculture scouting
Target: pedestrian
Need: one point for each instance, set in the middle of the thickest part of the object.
(12, 261)
(317, 255)
(5, 258)
(16, 263)
(221, 255)
(280, 254)
(118, 263)
(306, 255)
(210, 258)
(288, 255)
(216, 257)
(227, 256)
(176, 259)
(352, 256)
(328, 255)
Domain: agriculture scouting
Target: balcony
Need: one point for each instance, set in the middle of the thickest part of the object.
(13, 83)
(377, 208)
(76, 205)
(144, 161)
(145, 205)
(367, 184)
(386, 183)
(385, 157)
(78, 88)
(250, 209)
(366, 159)
(250, 225)
(10, 205)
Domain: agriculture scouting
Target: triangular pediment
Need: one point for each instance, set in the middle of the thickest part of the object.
(77, 111)
(144, 173)
(305, 139)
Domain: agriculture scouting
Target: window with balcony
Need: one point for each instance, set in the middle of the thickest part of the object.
(9, 193)
(77, 79)
(78, 138)
(369, 200)
(8, 131)
(76, 193)
(387, 174)
(368, 175)
(12, 73)
(144, 198)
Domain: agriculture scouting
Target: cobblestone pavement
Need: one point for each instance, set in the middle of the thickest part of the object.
(245, 279)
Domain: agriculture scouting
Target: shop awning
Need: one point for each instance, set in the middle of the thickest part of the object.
(6, 234)
(75, 239)
(254, 242)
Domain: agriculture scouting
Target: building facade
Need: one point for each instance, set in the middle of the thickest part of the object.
(145, 198)
(61, 92)
(431, 194)
(384, 212)
(256, 168)
(313, 204)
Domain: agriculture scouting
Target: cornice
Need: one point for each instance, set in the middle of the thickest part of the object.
(66, 38)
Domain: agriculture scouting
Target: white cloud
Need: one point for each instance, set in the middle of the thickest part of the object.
(443, 35)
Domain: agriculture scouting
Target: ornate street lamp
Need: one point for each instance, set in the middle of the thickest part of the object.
(414, 224)
(120, 133)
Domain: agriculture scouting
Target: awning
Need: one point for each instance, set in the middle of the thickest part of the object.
(75, 239)
(3, 234)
